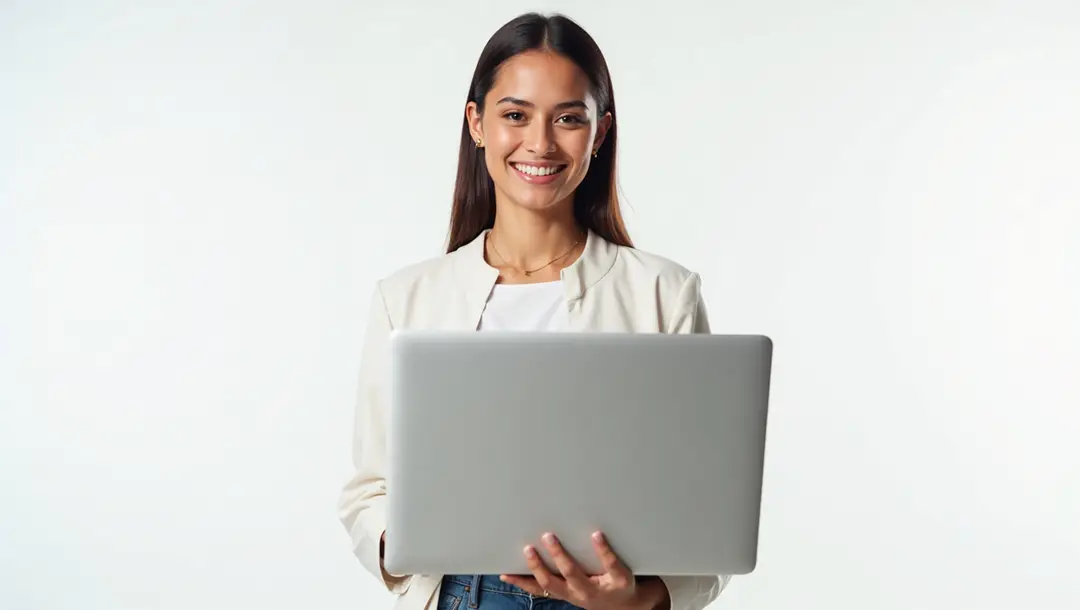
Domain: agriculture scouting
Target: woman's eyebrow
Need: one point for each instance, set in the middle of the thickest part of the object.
(559, 106)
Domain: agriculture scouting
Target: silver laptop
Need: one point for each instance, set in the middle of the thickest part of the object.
(495, 438)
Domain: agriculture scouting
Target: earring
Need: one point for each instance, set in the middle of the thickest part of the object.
(479, 142)
(595, 152)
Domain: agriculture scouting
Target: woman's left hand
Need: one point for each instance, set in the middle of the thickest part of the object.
(615, 589)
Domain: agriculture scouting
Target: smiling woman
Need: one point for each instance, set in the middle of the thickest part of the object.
(540, 113)
(536, 243)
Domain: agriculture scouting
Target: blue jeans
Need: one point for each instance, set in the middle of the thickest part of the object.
(461, 592)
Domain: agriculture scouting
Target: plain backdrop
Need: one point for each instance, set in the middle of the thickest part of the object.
(196, 198)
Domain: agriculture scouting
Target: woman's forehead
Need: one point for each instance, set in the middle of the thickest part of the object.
(542, 78)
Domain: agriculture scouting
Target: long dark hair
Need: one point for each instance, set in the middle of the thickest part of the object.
(596, 202)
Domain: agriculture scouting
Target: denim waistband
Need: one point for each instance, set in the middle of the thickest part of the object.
(474, 585)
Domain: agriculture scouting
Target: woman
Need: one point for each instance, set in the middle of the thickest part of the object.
(536, 243)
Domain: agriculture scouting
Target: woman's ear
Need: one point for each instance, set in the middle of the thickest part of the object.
(472, 116)
(602, 127)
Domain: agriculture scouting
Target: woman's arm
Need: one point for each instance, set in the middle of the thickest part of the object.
(691, 317)
(362, 503)
(692, 592)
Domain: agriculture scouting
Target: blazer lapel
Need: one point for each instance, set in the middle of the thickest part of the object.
(477, 278)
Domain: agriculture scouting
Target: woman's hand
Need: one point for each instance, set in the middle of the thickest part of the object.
(615, 589)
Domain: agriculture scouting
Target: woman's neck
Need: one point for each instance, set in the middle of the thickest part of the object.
(525, 240)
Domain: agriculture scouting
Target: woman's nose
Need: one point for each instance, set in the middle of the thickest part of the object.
(540, 140)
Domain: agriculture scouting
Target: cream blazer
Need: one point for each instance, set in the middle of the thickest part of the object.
(609, 288)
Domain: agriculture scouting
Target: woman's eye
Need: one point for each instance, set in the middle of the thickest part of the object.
(515, 116)
(572, 119)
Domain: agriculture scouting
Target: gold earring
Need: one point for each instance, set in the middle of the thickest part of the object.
(479, 142)
(595, 152)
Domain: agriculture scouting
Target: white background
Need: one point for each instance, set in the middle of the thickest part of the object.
(195, 199)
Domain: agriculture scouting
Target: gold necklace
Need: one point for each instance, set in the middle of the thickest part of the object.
(529, 272)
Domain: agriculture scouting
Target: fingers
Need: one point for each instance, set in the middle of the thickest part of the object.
(617, 573)
(571, 583)
(525, 583)
(548, 582)
(577, 581)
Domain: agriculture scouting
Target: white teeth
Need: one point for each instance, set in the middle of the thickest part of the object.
(537, 171)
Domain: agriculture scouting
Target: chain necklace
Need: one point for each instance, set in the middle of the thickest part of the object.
(529, 272)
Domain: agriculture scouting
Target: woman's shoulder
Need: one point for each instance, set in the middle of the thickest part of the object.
(651, 262)
(656, 290)
(431, 271)
(652, 267)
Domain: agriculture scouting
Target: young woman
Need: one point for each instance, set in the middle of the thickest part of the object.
(536, 243)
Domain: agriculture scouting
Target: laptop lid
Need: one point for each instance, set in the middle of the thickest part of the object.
(495, 438)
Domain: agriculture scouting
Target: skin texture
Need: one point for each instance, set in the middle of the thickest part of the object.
(615, 589)
(540, 110)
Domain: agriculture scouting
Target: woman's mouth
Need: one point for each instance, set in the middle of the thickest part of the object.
(538, 174)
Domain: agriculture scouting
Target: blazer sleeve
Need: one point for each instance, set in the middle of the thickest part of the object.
(690, 313)
(362, 502)
(691, 316)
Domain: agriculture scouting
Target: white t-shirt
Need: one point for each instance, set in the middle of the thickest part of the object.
(525, 307)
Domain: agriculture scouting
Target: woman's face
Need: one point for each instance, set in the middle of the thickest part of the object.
(539, 130)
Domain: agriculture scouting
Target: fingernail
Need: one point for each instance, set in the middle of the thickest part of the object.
(549, 538)
(530, 551)
(598, 537)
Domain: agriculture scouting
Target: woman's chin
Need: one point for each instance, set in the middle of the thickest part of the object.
(538, 201)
